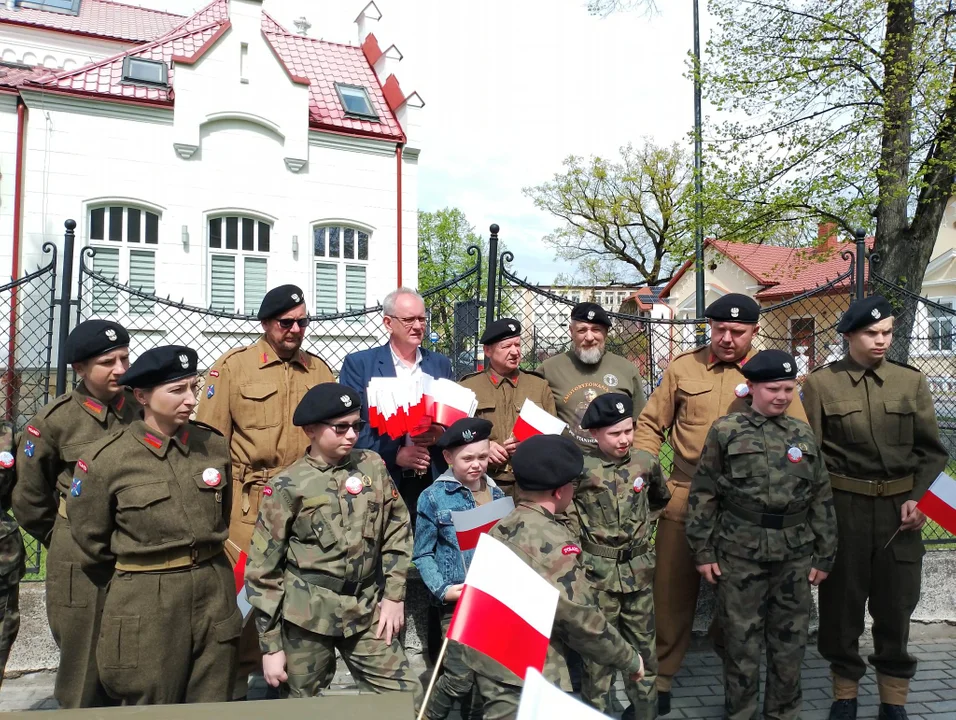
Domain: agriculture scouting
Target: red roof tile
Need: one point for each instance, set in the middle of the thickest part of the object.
(13, 75)
(215, 12)
(98, 18)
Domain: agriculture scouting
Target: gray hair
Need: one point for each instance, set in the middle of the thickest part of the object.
(388, 304)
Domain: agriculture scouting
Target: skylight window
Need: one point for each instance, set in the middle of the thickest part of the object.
(71, 7)
(356, 101)
(145, 72)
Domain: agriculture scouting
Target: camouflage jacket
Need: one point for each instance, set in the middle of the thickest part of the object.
(612, 513)
(12, 555)
(550, 547)
(761, 465)
(313, 534)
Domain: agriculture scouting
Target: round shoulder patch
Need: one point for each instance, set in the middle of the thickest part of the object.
(571, 549)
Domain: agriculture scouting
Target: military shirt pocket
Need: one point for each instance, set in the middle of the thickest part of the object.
(900, 417)
(846, 421)
(210, 498)
(733, 532)
(142, 506)
(317, 522)
(799, 537)
(597, 506)
(118, 646)
(694, 399)
(745, 460)
(373, 512)
(259, 407)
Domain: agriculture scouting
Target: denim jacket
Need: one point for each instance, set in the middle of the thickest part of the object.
(437, 557)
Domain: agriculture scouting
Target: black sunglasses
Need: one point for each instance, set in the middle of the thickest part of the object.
(287, 323)
(342, 428)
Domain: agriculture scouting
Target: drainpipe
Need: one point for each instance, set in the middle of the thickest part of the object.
(15, 270)
(398, 165)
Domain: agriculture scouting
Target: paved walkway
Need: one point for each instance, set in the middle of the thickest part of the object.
(698, 692)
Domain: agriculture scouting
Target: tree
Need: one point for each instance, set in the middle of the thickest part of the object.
(629, 218)
(606, 7)
(842, 111)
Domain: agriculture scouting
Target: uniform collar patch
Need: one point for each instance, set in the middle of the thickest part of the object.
(152, 440)
(120, 402)
(94, 405)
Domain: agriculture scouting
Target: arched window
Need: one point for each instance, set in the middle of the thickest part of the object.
(125, 237)
(341, 254)
(238, 261)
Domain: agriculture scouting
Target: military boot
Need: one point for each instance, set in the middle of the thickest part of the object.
(663, 702)
(843, 710)
(892, 712)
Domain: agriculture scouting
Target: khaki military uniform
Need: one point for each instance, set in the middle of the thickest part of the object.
(321, 560)
(878, 431)
(154, 509)
(616, 529)
(12, 554)
(761, 508)
(575, 384)
(48, 450)
(696, 389)
(550, 547)
(499, 401)
(250, 396)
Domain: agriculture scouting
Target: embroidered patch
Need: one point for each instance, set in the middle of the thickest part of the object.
(33, 431)
(82, 466)
(121, 402)
(29, 449)
(93, 405)
(214, 373)
(76, 487)
(267, 491)
(153, 440)
(210, 391)
(610, 380)
(570, 549)
(794, 454)
(6, 460)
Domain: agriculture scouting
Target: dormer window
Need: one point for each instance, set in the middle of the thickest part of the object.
(69, 7)
(141, 71)
(356, 102)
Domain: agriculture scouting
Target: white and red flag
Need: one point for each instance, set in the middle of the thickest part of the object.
(540, 700)
(534, 420)
(506, 610)
(470, 524)
(239, 573)
(939, 502)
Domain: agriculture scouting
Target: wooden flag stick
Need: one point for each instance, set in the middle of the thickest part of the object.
(893, 537)
(431, 683)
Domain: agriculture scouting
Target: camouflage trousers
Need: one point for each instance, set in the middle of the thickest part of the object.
(310, 662)
(10, 622)
(763, 604)
(456, 682)
(500, 700)
(633, 615)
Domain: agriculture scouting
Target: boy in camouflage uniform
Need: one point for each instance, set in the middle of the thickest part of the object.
(545, 467)
(617, 501)
(12, 560)
(328, 559)
(761, 525)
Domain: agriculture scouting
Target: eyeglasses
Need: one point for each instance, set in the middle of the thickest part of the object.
(287, 323)
(410, 321)
(342, 428)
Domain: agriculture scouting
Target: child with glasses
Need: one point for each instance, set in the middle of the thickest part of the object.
(329, 557)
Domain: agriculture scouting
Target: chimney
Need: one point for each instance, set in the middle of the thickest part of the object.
(826, 237)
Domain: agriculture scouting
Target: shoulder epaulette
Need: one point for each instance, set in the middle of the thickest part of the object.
(100, 445)
(55, 403)
(820, 367)
(692, 351)
(535, 373)
(470, 375)
(235, 351)
(903, 364)
(205, 426)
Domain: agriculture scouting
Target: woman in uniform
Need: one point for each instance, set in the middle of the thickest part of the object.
(150, 502)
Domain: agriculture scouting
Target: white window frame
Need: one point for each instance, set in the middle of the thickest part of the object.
(238, 253)
(125, 306)
(341, 262)
(951, 301)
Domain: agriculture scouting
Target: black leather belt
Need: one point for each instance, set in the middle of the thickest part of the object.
(770, 521)
(619, 554)
(348, 588)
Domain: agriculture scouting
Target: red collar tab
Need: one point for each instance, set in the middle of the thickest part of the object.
(93, 405)
(120, 402)
(152, 440)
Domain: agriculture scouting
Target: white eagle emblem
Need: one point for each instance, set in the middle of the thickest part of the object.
(787, 366)
(734, 311)
(875, 313)
(590, 314)
(467, 436)
(295, 297)
(620, 408)
(346, 400)
(184, 361)
(512, 327)
(111, 334)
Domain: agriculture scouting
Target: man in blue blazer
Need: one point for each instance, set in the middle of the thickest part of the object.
(412, 464)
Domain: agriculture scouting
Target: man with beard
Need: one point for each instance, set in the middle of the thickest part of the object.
(587, 370)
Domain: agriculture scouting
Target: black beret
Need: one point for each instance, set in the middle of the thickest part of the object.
(501, 329)
(326, 401)
(463, 432)
(769, 366)
(94, 337)
(734, 307)
(606, 410)
(546, 462)
(590, 312)
(161, 365)
(865, 312)
(280, 299)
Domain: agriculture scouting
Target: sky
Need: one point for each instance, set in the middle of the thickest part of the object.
(513, 87)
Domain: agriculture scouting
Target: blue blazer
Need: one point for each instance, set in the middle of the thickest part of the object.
(362, 366)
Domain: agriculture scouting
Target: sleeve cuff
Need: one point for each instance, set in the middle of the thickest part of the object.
(271, 641)
(395, 590)
(823, 564)
(705, 557)
(634, 665)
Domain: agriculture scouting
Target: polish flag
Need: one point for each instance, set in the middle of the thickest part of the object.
(506, 610)
(939, 502)
(540, 700)
(239, 574)
(470, 524)
(533, 420)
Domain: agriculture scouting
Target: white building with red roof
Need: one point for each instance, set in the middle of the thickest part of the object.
(208, 157)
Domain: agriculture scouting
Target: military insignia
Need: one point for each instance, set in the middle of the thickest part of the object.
(875, 313)
(734, 312)
(803, 446)
(267, 490)
(211, 477)
(787, 367)
(346, 400)
(33, 431)
(638, 484)
(76, 487)
(93, 405)
(610, 380)
(295, 297)
(210, 391)
(354, 485)
(467, 436)
(110, 334)
(82, 466)
(620, 407)
(794, 454)
(6, 460)
(29, 449)
(153, 440)
(512, 328)
(184, 361)
(742, 390)
(590, 317)
(570, 549)
(366, 481)
(120, 402)
(214, 373)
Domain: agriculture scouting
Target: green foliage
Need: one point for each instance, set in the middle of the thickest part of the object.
(443, 240)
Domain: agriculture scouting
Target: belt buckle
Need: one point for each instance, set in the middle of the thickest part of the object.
(880, 488)
(772, 522)
(194, 554)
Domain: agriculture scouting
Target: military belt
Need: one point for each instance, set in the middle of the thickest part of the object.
(348, 588)
(173, 559)
(61, 509)
(771, 521)
(871, 488)
(619, 554)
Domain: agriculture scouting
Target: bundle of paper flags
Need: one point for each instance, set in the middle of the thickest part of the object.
(407, 406)
(534, 420)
